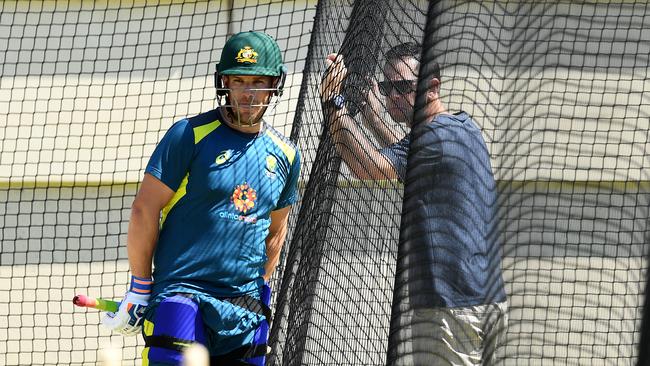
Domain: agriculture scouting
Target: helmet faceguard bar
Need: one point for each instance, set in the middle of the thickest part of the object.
(225, 91)
(277, 91)
(233, 108)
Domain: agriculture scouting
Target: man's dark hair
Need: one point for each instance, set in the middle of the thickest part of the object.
(412, 50)
(404, 50)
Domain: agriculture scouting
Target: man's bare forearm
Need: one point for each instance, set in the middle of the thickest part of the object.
(275, 240)
(355, 148)
(141, 240)
(383, 134)
(274, 244)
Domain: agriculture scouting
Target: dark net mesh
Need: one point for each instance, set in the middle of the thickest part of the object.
(87, 89)
(557, 88)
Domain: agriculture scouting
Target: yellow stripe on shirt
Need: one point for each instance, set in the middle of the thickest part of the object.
(199, 134)
(204, 130)
(287, 149)
(180, 192)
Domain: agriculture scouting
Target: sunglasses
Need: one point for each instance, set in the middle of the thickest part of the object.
(401, 87)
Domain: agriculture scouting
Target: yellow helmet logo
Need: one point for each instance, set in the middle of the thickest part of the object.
(247, 54)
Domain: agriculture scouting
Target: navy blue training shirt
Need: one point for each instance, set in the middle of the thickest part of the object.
(449, 229)
(227, 183)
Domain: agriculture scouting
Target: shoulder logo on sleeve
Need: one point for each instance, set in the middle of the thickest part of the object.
(223, 157)
(247, 54)
(271, 166)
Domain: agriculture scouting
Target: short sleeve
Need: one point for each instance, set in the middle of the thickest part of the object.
(289, 194)
(171, 159)
(397, 154)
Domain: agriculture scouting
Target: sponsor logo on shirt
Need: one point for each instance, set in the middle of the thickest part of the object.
(243, 198)
(251, 219)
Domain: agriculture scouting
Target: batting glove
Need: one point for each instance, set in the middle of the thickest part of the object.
(129, 317)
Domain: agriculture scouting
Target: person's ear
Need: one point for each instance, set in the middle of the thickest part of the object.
(434, 85)
(225, 80)
(434, 90)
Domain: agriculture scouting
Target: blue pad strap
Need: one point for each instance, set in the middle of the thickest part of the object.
(178, 321)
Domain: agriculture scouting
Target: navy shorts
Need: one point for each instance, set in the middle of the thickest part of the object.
(234, 331)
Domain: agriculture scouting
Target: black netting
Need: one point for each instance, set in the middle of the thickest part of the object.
(558, 89)
(87, 89)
